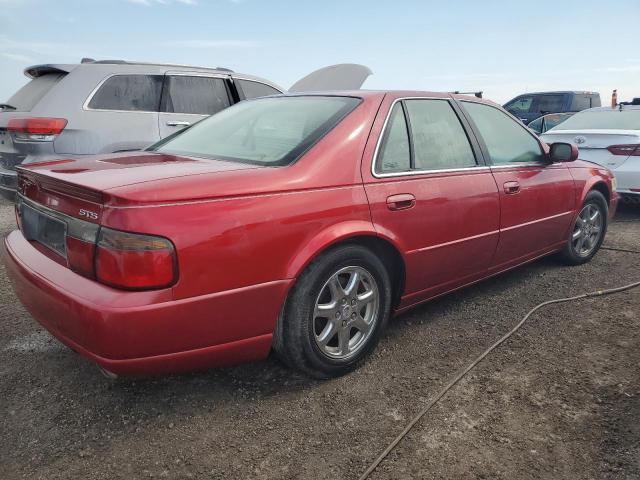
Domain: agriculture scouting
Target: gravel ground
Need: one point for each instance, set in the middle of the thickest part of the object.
(561, 399)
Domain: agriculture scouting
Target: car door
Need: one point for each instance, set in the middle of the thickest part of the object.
(188, 97)
(430, 193)
(537, 199)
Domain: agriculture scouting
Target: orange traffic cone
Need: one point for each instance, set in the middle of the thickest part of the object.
(614, 99)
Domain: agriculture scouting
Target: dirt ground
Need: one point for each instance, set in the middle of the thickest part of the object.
(561, 399)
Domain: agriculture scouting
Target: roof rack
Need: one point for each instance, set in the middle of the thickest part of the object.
(125, 62)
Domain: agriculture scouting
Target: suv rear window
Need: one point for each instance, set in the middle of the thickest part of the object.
(139, 93)
(267, 131)
(28, 96)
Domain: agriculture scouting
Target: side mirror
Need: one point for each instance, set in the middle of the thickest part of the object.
(563, 152)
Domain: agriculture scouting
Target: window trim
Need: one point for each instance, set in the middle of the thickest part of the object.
(85, 105)
(466, 127)
(240, 90)
(483, 145)
(165, 81)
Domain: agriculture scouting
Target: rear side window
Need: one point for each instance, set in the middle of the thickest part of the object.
(550, 103)
(395, 153)
(28, 96)
(439, 141)
(581, 102)
(507, 140)
(138, 93)
(256, 89)
(195, 95)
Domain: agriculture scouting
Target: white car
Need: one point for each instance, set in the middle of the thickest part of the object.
(609, 137)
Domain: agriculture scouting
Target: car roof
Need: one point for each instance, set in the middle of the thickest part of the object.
(558, 92)
(618, 108)
(114, 66)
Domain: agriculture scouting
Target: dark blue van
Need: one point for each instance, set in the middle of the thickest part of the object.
(529, 106)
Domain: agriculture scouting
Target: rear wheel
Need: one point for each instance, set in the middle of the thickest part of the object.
(335, 313)
(588, 231)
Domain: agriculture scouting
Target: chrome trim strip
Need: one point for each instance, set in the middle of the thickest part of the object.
(538, 220)
(76, 228)
(85, 105)
(415, 172)
(453, 242)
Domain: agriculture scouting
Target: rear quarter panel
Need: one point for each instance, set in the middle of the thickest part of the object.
(263, 224)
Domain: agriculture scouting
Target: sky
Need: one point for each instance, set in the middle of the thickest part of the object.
(503, 48)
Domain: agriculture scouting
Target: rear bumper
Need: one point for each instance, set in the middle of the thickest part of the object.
(143, 333)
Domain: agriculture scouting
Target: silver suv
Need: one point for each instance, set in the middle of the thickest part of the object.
(67, 111)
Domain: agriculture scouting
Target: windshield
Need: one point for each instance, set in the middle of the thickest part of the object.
(602, 119)
(266, 131)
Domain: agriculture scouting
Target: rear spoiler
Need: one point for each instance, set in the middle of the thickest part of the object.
(39, 70)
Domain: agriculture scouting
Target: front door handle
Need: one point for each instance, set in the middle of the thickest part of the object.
(511, 188)
(173, 123)
(402, 201)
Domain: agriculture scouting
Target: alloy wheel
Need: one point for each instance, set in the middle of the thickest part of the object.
(587, 230)
(346, 312)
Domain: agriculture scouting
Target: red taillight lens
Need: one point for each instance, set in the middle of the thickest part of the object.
(42, 129)
(135, 262)
(626, 150)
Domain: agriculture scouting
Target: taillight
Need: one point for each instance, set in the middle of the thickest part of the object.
(626, 150)
(36, 129)
(135, 262)
(80, 255)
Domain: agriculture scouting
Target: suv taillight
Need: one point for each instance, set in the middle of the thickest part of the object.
(134, 262)
(36, 129)
(626, 150)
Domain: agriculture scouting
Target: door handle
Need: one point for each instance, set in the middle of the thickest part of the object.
(511, 188)
(402, 201)
(172, 123)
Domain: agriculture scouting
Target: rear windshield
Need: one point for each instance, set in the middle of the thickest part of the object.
(602, 119)
(28, 96)
(267, 131)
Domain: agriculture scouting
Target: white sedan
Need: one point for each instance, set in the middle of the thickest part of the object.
(609, 137)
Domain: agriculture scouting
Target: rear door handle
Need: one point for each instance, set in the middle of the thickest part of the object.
(511, 188)
(172, 123)
(402, 201)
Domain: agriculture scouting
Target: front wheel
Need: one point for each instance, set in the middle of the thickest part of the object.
(588, 231)
(335, 313)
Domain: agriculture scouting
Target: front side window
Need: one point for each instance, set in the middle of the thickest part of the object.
(439, 141)
(256, 89)
(137, 93)
(520, 105)
(195, 95)
(269, 131)
(507, 141)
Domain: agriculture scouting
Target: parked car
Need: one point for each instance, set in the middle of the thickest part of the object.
(295, 222)
(530, 106)
(546, 122)
(609, 137)
(68, 111)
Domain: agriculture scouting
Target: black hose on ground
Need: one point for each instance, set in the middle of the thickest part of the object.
(459, 377)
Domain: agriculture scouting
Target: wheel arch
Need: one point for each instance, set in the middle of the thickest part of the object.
(354, 233)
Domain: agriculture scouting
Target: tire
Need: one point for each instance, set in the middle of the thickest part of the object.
(586, 236)
(335, 313)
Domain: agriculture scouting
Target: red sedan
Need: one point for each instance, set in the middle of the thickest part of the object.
(298, 223)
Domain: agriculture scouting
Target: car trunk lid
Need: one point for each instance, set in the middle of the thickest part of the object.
(593, 144)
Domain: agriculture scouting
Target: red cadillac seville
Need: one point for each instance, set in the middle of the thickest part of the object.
(297, 223)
